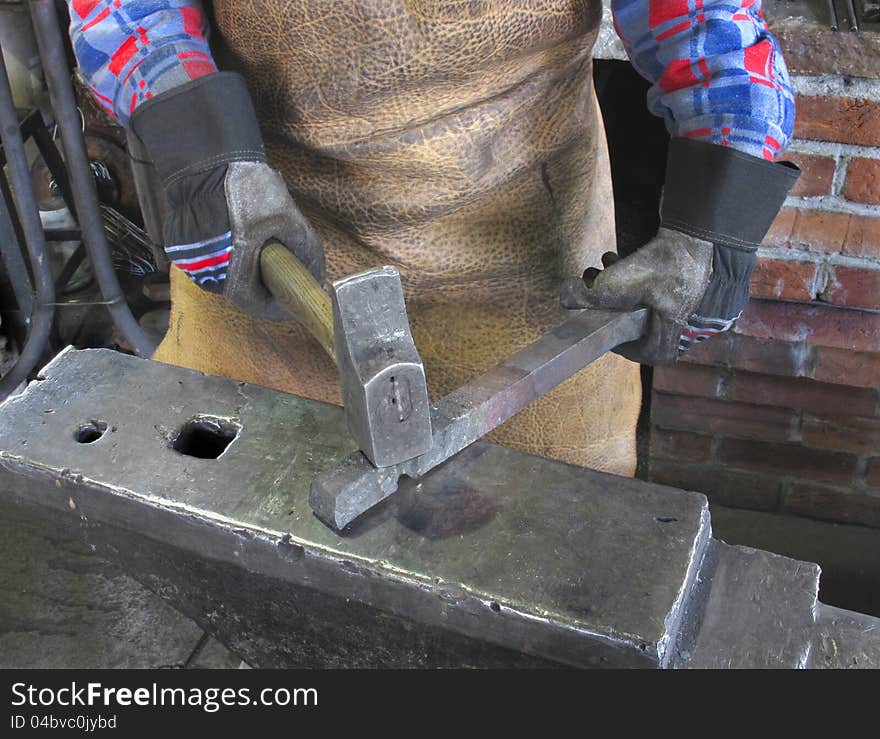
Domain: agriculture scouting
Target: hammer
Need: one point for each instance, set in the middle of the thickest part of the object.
(364, 328)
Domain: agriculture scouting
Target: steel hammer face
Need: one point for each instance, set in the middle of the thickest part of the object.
(380, 372)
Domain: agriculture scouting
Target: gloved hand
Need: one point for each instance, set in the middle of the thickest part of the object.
(718, 204)
(224, 201)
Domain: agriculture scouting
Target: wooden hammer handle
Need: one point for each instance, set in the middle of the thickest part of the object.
(293, 285)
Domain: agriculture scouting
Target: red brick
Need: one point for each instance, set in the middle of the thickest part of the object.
(845, 120)
(688, 380)
(817, 173)
(755, 355)
(863, 237)
(715, 351)
(813, 49)
(768, 356)
(846, 433)
(826, 231)
(721, 418)
(784, 280)
(771, 357)
(722, 486)
(819, 230)
(815, 324)
(863, 181)
(816, 398)
(680, 446)
(833, 504)
(787, 460)
(781, 228)
(853, 288)
(872, 475)
(844, 367)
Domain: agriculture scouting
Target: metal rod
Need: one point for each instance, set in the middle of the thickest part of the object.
(29, 216)
(14, 255)
(852, 15)
(51, 45)
(340, 494)
(34, 127)
(832, 15)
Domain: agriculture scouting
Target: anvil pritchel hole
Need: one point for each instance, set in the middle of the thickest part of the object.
(205, 437)
(90, 432)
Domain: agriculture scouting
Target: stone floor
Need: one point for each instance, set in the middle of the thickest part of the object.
(62, 606)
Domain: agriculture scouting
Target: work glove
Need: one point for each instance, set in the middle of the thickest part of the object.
(224, 202)
(718, 204)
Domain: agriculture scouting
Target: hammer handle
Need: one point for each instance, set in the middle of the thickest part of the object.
(293, 285)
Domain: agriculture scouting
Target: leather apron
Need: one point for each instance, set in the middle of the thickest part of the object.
(459, 140)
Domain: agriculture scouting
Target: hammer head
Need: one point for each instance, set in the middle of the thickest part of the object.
(381, 374)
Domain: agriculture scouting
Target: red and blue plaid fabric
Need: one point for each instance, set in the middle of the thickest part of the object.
(718, 73)
(130, 50)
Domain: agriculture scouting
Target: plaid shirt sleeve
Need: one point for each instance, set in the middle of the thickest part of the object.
(130, 50)
(718, 74)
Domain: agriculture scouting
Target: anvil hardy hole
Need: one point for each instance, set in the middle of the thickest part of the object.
(90, 432)
(205, 437)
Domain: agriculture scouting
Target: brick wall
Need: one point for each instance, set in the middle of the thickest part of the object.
(783, 414)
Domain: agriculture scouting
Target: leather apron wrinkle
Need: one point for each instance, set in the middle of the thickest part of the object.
(459, 141)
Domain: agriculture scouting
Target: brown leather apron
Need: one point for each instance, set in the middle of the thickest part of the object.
(458, 140)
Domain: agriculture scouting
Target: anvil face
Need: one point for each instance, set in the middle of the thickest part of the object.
(198, 486)
(494, 545)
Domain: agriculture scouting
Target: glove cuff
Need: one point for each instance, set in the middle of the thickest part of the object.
(198, 126)
(727, 293)
(722, 195)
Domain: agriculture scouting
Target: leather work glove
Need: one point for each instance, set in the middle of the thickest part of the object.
(224, 201)
(718, 204)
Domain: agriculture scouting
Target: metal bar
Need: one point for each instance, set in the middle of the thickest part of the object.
(13, 255)
(852, 16)
(341, 494)
(34, 126)
(63, 234)
(52, 54)
(832, 15)
(29, 216)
